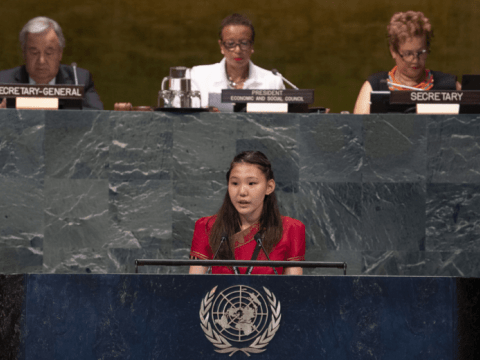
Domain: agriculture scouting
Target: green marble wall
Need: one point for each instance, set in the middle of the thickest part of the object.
(331, 46)
(91, 191)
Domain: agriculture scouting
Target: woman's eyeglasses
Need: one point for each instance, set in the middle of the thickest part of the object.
(411, 55)
(231, 45)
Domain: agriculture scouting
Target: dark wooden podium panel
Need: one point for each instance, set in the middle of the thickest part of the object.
(192, 316)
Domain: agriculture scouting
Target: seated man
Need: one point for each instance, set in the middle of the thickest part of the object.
(42, 44)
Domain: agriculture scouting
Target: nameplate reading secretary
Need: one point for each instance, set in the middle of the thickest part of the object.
(435, 97)
(291, 96)
(49, 91)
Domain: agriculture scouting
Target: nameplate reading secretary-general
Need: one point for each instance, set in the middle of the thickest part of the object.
(42, 44)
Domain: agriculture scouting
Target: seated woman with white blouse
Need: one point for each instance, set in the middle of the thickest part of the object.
(236, 70)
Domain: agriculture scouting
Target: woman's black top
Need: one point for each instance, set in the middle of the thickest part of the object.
(441, 81)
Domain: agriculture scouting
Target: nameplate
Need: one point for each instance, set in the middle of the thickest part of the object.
(267, 107)
(54, 91)
(290, 96)
(33, 103)
(435, 97)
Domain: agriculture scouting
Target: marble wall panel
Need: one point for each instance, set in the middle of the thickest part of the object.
(353, 259)
(453, 217)
(22, 144)
(287, 198)
(140, 147)
(393, 262)
(76, 225)
(393, 216)
(453, 151)
(22, 169)
(332, 213)
(277, 137)
(203, 146)
(21, 224)
(76, 144)
(140, 213)
(412, 263)
(91, 191)
(123, 260)
(21, 257)
(395, 148)
(192, 200)
(453, 263)
(331, 149)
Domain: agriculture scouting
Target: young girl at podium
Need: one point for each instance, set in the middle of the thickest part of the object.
(249, 210)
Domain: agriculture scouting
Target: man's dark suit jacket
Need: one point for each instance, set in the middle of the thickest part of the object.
(65, 76)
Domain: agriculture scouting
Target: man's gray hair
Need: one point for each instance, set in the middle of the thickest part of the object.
(38, 25)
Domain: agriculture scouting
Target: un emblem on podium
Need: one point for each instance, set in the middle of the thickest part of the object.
(240, 319)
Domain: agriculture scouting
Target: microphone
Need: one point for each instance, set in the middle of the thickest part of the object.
(74, 66)
(275, 72)
(222, 240)
(259, 240)
(399, 85)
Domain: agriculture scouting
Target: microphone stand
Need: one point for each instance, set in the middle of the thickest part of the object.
(275, 72)
(223, 239)
(74, 66)
(259, 240)
(400, 85)
(235, 269)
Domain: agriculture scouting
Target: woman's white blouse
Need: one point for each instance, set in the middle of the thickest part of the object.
(213, 79)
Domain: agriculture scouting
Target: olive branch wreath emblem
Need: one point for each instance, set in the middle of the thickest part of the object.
(222, 344)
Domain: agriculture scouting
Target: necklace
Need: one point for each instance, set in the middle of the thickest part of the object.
(232, 84)
(426, 84)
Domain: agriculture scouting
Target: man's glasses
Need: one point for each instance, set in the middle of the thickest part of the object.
(231, 45)
(411, 55)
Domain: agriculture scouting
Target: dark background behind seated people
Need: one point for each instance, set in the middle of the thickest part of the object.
(333, 47)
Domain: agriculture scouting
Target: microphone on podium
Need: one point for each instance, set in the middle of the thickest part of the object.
(74, 66)
(385, 81)
(222, 240)
(275, 72)
(259, 240)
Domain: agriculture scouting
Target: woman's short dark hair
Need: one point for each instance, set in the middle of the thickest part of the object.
(404, 25)
(228, 223)
(237, 19)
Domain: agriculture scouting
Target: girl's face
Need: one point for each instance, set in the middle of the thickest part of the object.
(247, 188)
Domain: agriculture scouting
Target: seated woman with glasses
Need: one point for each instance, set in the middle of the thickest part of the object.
(409, 36)
(236, 70)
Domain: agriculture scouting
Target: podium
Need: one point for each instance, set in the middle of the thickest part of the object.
(215, 316)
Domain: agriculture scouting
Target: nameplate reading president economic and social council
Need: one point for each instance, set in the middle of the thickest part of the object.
(53, 91)
(435, 97)
(291, 96)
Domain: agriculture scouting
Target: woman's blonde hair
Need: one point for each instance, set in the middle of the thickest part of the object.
(404, 25)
